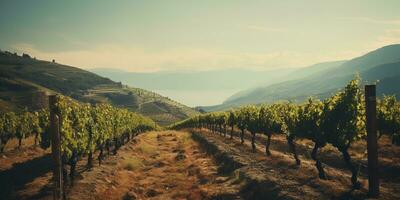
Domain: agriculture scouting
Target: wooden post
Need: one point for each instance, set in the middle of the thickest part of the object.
(56, 148)
(372, 141)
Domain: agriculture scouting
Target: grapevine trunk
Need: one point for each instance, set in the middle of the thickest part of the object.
(354, 172)
(267, 151)
(242, 136)
(253, 141)
(90, 160)
(318, 163)
(292, 148)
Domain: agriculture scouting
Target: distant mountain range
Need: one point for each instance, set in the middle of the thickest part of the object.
(195, 80)
(25, 80)
(196, 87)
(323, 79)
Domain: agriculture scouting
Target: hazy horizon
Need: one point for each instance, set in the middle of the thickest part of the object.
(173, 35)
(197, 36)
(199, 99)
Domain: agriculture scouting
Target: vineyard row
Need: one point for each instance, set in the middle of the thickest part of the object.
(339, 120)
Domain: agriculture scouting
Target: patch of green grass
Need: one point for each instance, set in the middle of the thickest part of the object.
(184, 138)
(151, 135)
(133, 163)
(147, 149)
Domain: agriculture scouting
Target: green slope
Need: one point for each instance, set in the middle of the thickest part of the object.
(382, 64)
(24, 80)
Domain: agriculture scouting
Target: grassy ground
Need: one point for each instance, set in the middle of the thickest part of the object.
(160, 165)
(156, 165)
(199, 165)
(302, 182)
(26, 169)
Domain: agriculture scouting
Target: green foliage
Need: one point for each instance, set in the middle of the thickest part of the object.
(44, 124)
(22, 79)
(251, 118)
(388, 117)
(232, 118)
(23, 125)
(343, 118)
(290, 118)
(85, 127)
(309, 123)
(338, 120)
(8, 128)
(269, 119)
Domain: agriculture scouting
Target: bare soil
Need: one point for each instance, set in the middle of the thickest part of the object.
(198, 164)
(27, 168)
(156, 165)
(302, 182)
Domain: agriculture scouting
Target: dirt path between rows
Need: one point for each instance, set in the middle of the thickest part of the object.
(27, 169)
(179, 165)
(159, 165)
(388, 154)
(287, 180)
(294, 182)
(155, 165)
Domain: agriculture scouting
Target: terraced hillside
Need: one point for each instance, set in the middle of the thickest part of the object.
(24, 81)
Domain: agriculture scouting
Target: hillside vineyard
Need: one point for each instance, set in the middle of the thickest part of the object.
(24, 82)
(84, 129)
(200, 100)
(338, 120)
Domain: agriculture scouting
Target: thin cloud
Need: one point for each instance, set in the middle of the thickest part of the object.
(265, 29)
(389, 37)
(140, 60)
(372, 20)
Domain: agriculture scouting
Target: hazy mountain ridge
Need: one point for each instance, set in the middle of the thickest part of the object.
(197, 87)
(295, 74)
(382, 64)
(195, 80)
(23, 81)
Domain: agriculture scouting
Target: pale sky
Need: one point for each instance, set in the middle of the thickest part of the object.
(164, 35)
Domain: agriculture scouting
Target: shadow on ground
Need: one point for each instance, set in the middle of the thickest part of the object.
(15, 178)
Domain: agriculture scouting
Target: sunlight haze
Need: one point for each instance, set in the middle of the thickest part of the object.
(199, 99)
(146, 36)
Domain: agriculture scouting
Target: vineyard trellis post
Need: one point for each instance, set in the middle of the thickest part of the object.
(372, 142)
(56, 148)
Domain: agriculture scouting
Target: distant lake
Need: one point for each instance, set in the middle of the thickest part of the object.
(198, 97)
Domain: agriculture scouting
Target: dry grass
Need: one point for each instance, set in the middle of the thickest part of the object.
(184, 138)
(26, 143)
(147, 148)
(133, 163)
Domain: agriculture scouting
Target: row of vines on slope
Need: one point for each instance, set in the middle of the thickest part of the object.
(21, 126)
(84, 129)
(338, 120)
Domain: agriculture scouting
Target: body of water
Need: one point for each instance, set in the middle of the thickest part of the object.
(194, 98)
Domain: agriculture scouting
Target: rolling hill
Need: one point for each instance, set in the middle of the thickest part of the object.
(321, 80)
(24, 81)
